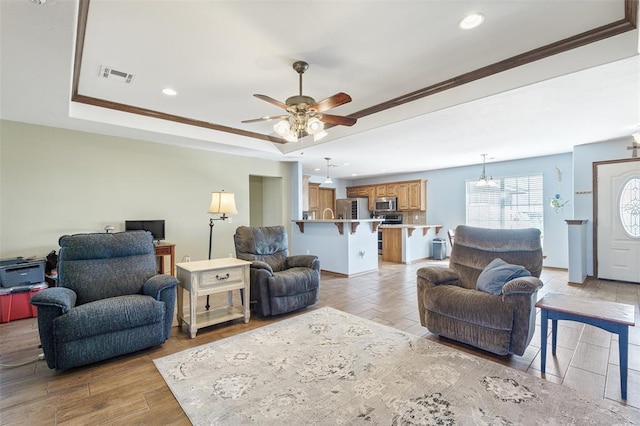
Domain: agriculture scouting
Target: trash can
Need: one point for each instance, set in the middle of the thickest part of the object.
(439, 249)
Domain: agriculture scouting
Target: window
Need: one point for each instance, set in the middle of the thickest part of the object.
(511, 203)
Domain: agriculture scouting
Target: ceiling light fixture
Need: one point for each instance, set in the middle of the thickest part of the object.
(472, 20)
(298, 126)
(483, 181)
(328, 179)
(169, 91)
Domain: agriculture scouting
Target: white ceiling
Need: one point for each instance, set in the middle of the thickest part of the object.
(218, 54)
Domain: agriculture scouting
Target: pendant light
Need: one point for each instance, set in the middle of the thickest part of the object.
(328, 179)
(483, 181)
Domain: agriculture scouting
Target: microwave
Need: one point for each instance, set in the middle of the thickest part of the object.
(386, 204)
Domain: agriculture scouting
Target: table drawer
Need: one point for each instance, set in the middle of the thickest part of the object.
(220, 277)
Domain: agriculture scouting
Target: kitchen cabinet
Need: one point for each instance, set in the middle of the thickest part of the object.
(403, 197)
(314, 198)
(407, 243)
(368, 191)
(417, 195)
(411, 194)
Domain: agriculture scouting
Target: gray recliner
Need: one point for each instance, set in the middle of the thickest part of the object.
(279, 283)
(449, 304)
(109, 300)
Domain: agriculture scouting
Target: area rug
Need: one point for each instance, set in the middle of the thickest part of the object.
(328, 367)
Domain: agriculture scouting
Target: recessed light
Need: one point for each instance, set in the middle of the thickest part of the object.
(169, 91)
(354, 174)
(317, 169)
(471, 21)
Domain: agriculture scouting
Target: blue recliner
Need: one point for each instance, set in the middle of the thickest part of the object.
(279, 283)
(109, 300)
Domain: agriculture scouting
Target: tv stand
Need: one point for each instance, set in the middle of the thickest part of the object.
(162, 250)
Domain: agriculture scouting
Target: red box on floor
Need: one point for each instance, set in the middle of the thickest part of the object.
(16, 305)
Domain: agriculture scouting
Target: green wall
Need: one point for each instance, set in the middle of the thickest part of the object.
(55, 182)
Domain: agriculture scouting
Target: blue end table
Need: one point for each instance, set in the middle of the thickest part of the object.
(610, 316)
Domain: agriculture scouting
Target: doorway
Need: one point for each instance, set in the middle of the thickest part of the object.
(265, 201)
(617, 220)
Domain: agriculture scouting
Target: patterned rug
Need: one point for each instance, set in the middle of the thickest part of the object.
(328, 367)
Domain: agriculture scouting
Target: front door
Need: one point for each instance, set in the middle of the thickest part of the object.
(618, 220)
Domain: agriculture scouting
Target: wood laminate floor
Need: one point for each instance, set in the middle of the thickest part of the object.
(129, 390)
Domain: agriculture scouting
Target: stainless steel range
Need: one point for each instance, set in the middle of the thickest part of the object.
(388, 219)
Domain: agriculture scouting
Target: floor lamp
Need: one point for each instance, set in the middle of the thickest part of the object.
(222, 203)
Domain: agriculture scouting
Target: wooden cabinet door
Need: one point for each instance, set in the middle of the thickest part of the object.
(392, 245)
(371, 194)
(392, 190)
(363, 191)
(415, 196)
(314, 197)
(381, 190)
(352, 192)
(403, 196)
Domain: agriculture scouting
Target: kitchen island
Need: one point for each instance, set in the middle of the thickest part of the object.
(407, 243)
(344, 246)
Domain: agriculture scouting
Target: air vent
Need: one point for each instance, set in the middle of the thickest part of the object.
(110, 73)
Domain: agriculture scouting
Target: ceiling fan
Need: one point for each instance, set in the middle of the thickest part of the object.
(306, 116)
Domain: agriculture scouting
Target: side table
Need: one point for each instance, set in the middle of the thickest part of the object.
(610, 316)
(166, 249)
(206, 277)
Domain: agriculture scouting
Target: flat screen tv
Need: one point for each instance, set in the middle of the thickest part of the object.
(156, 227)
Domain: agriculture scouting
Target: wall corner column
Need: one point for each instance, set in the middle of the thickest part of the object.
(577, 251)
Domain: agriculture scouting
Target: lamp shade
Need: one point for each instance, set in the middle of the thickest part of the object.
(223, 203)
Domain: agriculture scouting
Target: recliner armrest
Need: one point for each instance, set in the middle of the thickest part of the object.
(59, 297)
(524, 285)
(437, 275)
(257, 264)
(156, 284)
(303, 261)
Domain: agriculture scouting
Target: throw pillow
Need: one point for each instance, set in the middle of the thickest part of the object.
(497, 273)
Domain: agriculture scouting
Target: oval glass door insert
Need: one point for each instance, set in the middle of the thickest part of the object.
(629, 207)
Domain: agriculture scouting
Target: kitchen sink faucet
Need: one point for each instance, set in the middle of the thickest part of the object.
(325, 210)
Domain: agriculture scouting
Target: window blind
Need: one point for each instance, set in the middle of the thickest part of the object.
(509, 203)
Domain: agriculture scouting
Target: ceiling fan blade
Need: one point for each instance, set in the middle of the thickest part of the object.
(331, 102)
(337, 119)
(272, 101)
(272, 117)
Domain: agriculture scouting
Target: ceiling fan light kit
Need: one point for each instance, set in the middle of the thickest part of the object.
(305, 114)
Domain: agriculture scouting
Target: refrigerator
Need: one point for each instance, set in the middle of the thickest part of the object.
(352, 208)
